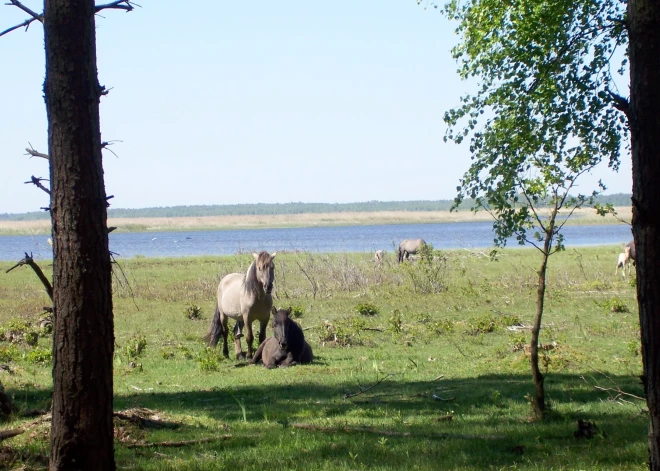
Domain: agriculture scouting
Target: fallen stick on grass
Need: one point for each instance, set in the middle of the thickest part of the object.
(440, 436)
(5, 434)
(176, 444)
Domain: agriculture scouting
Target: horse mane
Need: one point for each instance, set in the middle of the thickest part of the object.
(251, 284)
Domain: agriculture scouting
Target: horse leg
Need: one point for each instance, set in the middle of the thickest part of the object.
(237, 348)
(249, 339)
(238, 330)
(262, 330)
(225, 333)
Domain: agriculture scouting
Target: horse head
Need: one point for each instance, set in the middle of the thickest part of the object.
(265, 269)
(281, 326)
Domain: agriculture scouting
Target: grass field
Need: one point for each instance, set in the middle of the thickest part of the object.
(436, 378)
(582, 216)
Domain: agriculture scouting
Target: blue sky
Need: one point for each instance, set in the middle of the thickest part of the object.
(245, 102)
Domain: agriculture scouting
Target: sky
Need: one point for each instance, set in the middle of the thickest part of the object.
(265, 101)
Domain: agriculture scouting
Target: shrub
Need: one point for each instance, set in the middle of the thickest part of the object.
(614, 305)
(135, 346)
(209, 359)
(185, 351)
(395, 322)
(39, 356)
(297, 311)
(366, 309)
(193, 312)
(9, 353)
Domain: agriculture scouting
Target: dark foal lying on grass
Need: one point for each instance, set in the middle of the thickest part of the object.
(288, 347)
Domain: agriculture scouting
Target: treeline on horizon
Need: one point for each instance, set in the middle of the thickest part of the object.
(617, 199)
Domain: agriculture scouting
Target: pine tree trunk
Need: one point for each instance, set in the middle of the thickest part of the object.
(644, 121)
(81, 431)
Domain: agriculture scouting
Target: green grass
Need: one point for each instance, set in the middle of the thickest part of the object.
(440, 342)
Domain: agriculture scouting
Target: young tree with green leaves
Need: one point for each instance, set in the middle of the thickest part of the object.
(541, 117)
(545, 71)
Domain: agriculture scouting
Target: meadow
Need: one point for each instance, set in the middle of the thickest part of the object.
(420, 366)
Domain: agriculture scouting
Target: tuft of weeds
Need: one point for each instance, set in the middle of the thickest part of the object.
(366, 309)
(297, 311)
(135, 346)
(39, 356)
(614, 305)
(9, 353)
(193, 312)
(209, 359)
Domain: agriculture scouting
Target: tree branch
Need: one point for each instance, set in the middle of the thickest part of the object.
(26, 23)
(28, 260)
(619, 102)
(37, 182)
(126, 5)
(33, 153)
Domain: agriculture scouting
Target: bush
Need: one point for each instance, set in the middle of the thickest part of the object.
(135, 346)
(297, 312)
(366, 309)
(614, 305)
(39, 356)
(193, 312)
(209, 359)
(9, 353)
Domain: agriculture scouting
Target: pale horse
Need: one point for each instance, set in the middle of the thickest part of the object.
(625, 259)
(379, 255)
(408, 247)
(244, 298)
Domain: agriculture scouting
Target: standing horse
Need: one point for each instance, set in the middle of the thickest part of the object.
(408, 247)
(633, 252)
(288, 346)
(244, 298)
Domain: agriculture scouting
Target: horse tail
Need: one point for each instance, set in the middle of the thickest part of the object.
(215, 331)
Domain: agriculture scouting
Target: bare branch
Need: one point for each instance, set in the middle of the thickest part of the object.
(126, 5)
(392, 433)
(26, 23)
(28, 260)
(363, 390)
(33, 153)
(37, 182)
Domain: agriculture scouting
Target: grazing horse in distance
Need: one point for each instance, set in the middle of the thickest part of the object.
(378, 256)
(288, 346)
(623, 261)
(244, 298)
(408, 247)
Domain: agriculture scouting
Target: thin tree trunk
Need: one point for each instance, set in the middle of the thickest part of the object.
(539, 390)
(81, 430)
(644, 120)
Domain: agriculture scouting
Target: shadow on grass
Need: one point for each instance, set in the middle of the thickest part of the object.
(261, 421)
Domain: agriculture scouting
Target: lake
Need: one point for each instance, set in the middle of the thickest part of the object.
(467, 235)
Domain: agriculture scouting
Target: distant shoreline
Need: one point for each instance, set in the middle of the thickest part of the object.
(206, 223)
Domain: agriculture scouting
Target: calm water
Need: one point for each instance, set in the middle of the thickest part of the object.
(310, 239)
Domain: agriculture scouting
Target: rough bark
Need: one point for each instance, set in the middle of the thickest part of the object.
(644, 122)
(81, 431)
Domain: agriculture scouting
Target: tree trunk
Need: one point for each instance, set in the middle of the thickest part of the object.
(644, 121)
(538, 404)
(81, 431)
